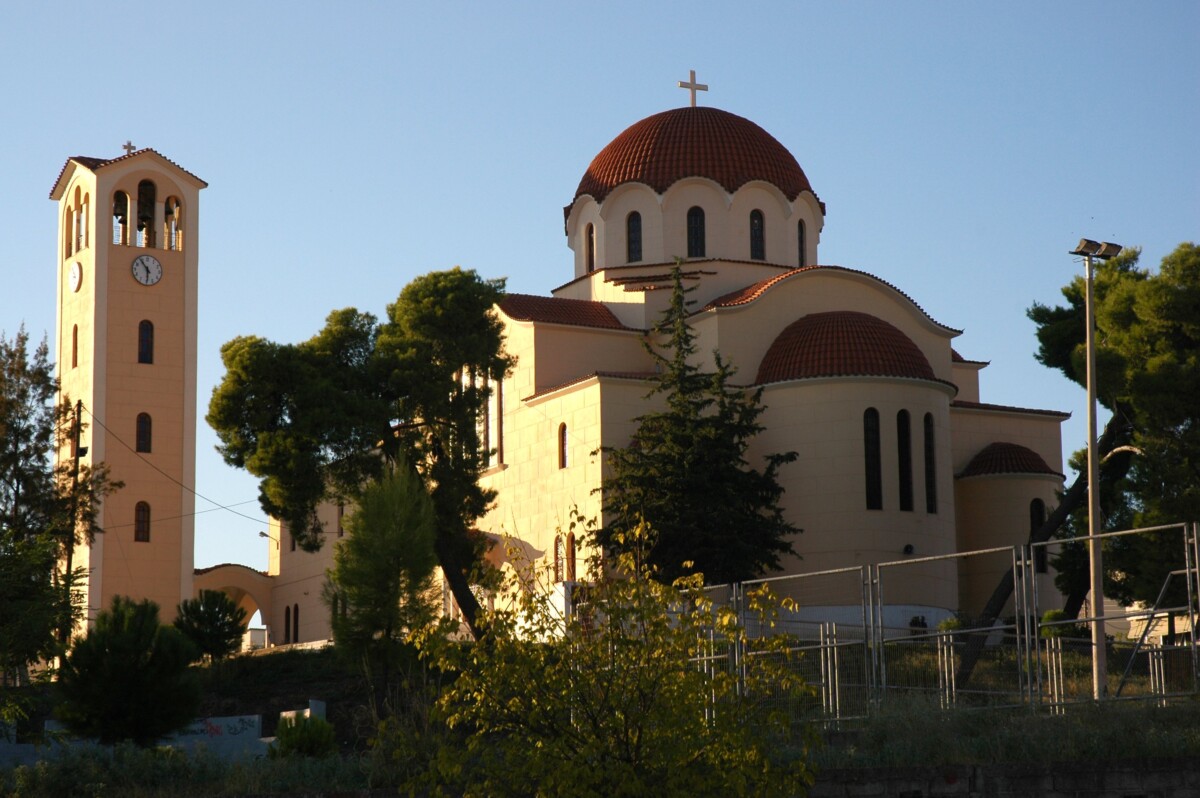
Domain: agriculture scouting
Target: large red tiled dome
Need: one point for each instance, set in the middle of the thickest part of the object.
(693, 142)
(842, 343)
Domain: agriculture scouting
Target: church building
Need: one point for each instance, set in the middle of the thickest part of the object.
(899, 458)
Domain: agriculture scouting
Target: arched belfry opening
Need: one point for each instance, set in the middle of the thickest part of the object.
(120, 216)
(146, 196)
(173, 224)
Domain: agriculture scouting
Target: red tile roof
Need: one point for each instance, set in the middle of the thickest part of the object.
(693, 142)
(842, 343)
(744, 296)
(617, 375)
(965, 405)
(1006, 458)
(92, 164)
(553, 310)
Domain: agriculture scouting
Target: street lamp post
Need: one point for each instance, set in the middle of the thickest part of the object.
(1089, 250)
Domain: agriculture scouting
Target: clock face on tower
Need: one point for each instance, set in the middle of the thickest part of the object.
(76, 276)
(146, 269)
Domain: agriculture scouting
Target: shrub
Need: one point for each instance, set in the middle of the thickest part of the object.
(213, 622)
(303, 737)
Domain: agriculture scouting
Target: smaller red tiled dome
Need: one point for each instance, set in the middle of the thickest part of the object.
(1006, 458)
(842, 343)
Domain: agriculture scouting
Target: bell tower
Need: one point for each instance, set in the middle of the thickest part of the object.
(127, 256)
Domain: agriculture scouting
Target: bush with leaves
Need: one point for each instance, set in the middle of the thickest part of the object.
(129, 678)
(630, 695)
(303, 736)
(213, 622)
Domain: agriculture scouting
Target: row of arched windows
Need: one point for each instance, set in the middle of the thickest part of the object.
(291, 624)
(696, 237)
(142, 229)
(873, 461)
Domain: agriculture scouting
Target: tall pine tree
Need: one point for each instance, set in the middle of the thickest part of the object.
(686, 474)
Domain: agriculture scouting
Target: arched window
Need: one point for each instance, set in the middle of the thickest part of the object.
(172, 223)
(904, 456)
(141, 522)
(341, 514)
(296, 623)
(147, 194)
(562, 445)
(590, 243)
(633, 237)
(758, 236)
(800, 238)
(145, 341)
(930, 467)
(120, 216)
(74, 345)
(695, 232)
(560, 556)
(570, 570)
(874, 469)
(143, 433)
(287, 624)
(1037, 517)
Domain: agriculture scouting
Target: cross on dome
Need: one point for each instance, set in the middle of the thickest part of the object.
(129, 148)
(692, 86)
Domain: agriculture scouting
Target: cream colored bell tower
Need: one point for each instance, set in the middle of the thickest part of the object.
(127, 257)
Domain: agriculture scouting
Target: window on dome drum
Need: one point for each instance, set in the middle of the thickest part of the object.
(874, 463)
(1037, 517)
(562, 445)
(120, 216)
(143, 433)
(147, 193)
(695, 232)
(758, 236)
(141, 523)
(145, 341)
(904, 455)
(590, 243)
(74, 345)
(930, 467)
(633, 237)
(800, 238)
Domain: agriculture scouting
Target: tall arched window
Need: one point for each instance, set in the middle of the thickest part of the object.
(141, 522)
(904, 456)
(147, 194)
(120, 215)
(871, 456)
(695, 232)
(570, 569)
(296, 623)
(562, 445)
(1037, 517)
(633, 237)
(74, 345)
(590, 243)
(560, 557)
(145, 341)
(758, 236)
(144, 432)
(803, 244)
(172, 223)
(930, 466)
(287, 624)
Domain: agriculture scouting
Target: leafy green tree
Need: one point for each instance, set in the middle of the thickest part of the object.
(319, 419)
(44, 510)
(1148, 374)
(129, 678)
(618, 699)
(685, 471)
(380, 588)
(213, 622)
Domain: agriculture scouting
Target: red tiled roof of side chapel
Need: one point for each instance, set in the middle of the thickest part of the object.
(553, 310)
(1007, 458)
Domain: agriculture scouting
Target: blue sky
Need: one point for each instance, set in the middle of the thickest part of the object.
(961, 149)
